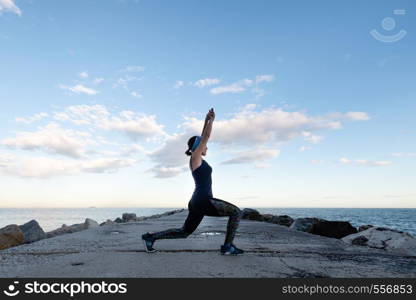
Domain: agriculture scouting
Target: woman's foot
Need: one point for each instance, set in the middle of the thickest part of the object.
(230, 249)
(148, 241)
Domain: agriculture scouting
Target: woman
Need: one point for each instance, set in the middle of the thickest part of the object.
(202, 202)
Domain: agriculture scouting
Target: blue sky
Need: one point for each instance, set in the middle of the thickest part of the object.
(99, 99)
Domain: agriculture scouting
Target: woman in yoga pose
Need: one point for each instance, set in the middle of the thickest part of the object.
(202, 202)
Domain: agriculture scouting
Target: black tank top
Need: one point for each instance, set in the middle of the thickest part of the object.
(203, 181)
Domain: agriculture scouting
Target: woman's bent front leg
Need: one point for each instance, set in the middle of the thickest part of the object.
(225, 208)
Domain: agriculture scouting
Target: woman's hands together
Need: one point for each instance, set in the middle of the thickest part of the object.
(210, 115)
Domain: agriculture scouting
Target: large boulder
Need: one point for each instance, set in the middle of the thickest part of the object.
(305, 224)
(251, 214)
(282, 220)
(89, 223)
(267, 217)
(384, 238)
(108, 222)
(364, 227)
(11, 236)
(333, 229)
(129, 217)
(32, 231)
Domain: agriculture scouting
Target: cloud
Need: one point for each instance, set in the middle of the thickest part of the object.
(237, 87)
(9, 6)
(264, 78)
(401, 154)
(133, 69)
(304, 148)
(166, 172)
(351, 115)
(134, 124)
(170, 158)
(274, 125)
(45, 167)
(178, 84)
(35, 117)
(309, 137)
(246, 128)
(83, 74)
(79, 89)
(52, 139)
(363, 162)
(136, 94)
(252, 155)
(98, 80)
(243, 84)
(206, 82)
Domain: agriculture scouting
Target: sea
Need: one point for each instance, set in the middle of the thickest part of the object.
(403, 219)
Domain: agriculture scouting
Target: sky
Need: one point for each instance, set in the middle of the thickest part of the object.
(314, 102)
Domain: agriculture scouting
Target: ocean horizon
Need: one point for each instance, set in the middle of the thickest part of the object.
(403, 219)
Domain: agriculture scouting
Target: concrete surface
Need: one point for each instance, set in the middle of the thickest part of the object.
(271, 251)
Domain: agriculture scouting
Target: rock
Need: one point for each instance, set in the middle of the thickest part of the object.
(388, 239)
(11, 236)
(251, 214)
(267, 217)
(32, 231)
(304, 224)
(364, 227)
(282, 220)
(118, 220)
(90, 223)
(333, 229)
(108, 222)
(127, 217)
(360, 241)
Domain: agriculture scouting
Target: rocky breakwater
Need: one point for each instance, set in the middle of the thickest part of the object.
(13, 235)
(390, 240)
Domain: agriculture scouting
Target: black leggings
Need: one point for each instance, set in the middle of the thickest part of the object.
(223, 208)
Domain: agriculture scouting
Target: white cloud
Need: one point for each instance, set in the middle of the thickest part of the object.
(134, 124)
(304, 148)
(252, 155)
(237, 87)
(79, 89)
(133, 69)
(264, 78)
(136, 94)
(246, 128)
(98, 80)
(53, 139)
(206, 82)
(178, 84)
(351, 115)
(83, 74)
(250, 127)
(9, 6)
(242, 85)
(124, 81)
(309, 137)
(35, 117)
(166, 172)
(401, 154)
(364, 162)
(45, 167)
